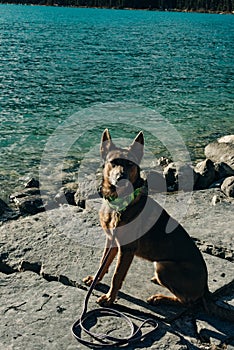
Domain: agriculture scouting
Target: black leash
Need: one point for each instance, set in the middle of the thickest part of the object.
(105, 340)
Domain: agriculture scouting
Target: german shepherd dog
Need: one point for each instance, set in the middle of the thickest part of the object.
(141, 226)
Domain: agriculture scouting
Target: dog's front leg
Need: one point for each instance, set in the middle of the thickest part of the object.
(89, 279)
(124, 261)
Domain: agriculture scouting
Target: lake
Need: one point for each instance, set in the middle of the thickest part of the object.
(80, 70)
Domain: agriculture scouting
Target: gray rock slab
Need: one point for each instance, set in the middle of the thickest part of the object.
(221, 150)
(36, 314)
(39, 314)
(65, 244)
(52, 239)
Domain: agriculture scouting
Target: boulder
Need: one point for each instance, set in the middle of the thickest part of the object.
(31, 191)
(163, 162)
(66, 194)
(221, 150)
(29, 201)
(206, 174)
(228, 186)
(6, 212)
(32, 183)
(227, 139)
(29, 205)
(180, 177)
(3, 207)
(169, 173)
(223, 170)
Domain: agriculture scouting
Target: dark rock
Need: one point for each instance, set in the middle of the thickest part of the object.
(30, 205)
(31, 201)
(66, 196)
(3, 207)
(217, 184)
(6, 213)
(33, 191)
(223, 170)
(206, 174)
(180, 177)
(32, 183)
(221, 150)
(170, 176)
(163, 161)
(228, 186)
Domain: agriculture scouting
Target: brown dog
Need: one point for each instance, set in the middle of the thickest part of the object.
(141, 227)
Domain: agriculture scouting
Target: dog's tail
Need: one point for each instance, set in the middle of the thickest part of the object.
(225, 312)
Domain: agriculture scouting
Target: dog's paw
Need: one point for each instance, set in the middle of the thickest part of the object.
(88, 280)
(105, 300)
(155, 299)
(163, 299)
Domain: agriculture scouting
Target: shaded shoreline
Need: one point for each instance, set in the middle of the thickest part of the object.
(183, 10)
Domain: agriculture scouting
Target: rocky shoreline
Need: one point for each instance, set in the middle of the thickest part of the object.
(48, 245)
(216, 171)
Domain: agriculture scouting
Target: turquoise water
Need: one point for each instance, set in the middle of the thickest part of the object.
(59, 61)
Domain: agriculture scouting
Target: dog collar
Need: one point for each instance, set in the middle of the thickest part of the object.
(120, 204)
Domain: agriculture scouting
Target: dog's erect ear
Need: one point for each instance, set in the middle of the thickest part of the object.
(106, 143)
(136, 150)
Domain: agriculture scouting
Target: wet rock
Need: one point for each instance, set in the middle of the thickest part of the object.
(221, 150)
(228, 186)
(6, 213)
(223, 170)
(3, 207)
(206, 174)
(32, 183)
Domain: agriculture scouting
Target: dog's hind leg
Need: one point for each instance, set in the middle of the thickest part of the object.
(183, 279)
(163, 299)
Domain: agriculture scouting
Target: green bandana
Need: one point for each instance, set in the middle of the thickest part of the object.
(120, 204)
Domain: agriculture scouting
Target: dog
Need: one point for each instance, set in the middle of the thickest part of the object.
(141, 227)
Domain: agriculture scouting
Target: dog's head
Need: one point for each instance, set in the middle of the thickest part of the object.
(121, 172)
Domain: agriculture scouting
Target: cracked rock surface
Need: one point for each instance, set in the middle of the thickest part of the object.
(44, 257)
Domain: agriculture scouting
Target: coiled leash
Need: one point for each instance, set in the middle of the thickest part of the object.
(105, 340)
